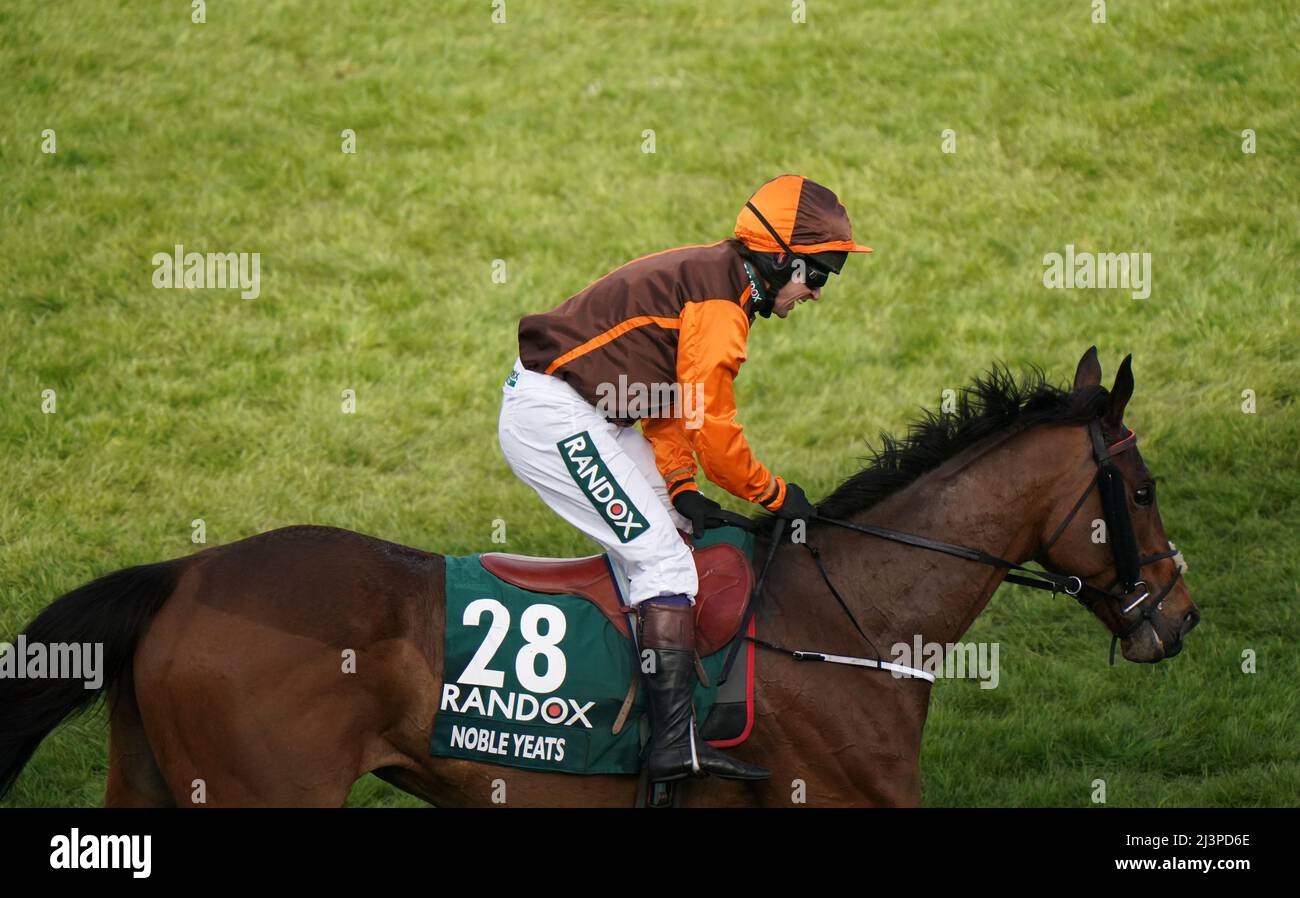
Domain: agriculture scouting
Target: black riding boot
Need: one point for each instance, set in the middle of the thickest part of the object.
(676, 750)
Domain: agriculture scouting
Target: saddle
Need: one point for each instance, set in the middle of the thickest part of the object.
(725, 576)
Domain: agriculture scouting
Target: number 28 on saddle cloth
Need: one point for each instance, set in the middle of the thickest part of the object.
(539, 669)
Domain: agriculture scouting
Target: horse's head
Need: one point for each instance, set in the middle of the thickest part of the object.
(1108, 532)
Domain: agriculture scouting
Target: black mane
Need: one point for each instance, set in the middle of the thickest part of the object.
(993, 404)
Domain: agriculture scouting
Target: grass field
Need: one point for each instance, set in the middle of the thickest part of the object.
(524, 142)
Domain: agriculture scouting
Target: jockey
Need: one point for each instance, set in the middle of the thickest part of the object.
(660, 340)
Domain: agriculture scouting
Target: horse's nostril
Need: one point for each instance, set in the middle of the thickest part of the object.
(1192, 618)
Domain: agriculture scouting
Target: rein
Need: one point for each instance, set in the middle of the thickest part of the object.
(1128, 562)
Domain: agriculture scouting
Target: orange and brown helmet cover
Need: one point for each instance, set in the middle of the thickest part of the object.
(808, 216)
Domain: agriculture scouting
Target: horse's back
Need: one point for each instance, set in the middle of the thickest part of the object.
(325, 583)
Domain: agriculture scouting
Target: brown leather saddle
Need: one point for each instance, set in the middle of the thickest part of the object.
(725, 575)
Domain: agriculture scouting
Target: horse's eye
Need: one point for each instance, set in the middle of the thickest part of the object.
(1144, 495)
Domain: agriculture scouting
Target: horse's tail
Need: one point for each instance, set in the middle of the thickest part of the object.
(110, 613)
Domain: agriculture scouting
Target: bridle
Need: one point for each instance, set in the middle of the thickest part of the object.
(1108, 480)
(1123, 542)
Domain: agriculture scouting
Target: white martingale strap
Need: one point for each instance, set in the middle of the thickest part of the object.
(865, 662)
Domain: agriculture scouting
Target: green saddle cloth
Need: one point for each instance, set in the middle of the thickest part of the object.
(535, 680)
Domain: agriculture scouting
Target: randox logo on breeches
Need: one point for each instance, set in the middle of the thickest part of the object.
(592, 476)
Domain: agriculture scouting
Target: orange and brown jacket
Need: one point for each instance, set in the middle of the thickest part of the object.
(682, 317)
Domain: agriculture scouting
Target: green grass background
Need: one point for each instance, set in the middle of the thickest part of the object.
(523, 142)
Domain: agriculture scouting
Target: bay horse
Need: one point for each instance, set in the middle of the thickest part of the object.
(226, 688)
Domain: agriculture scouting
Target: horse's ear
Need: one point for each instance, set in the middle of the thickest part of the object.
(1088, 374)
(1120, 394)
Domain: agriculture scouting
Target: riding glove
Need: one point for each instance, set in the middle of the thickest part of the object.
(695, 507)
(796, 505)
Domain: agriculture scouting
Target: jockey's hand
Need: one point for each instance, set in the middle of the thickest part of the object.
(796, 505)
(695, 507)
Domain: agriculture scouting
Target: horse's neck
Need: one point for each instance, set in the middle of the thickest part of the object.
(994, 497)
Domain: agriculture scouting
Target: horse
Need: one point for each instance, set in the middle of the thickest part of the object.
(225, 686)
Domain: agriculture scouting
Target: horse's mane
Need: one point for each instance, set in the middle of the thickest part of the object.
(994, 404)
